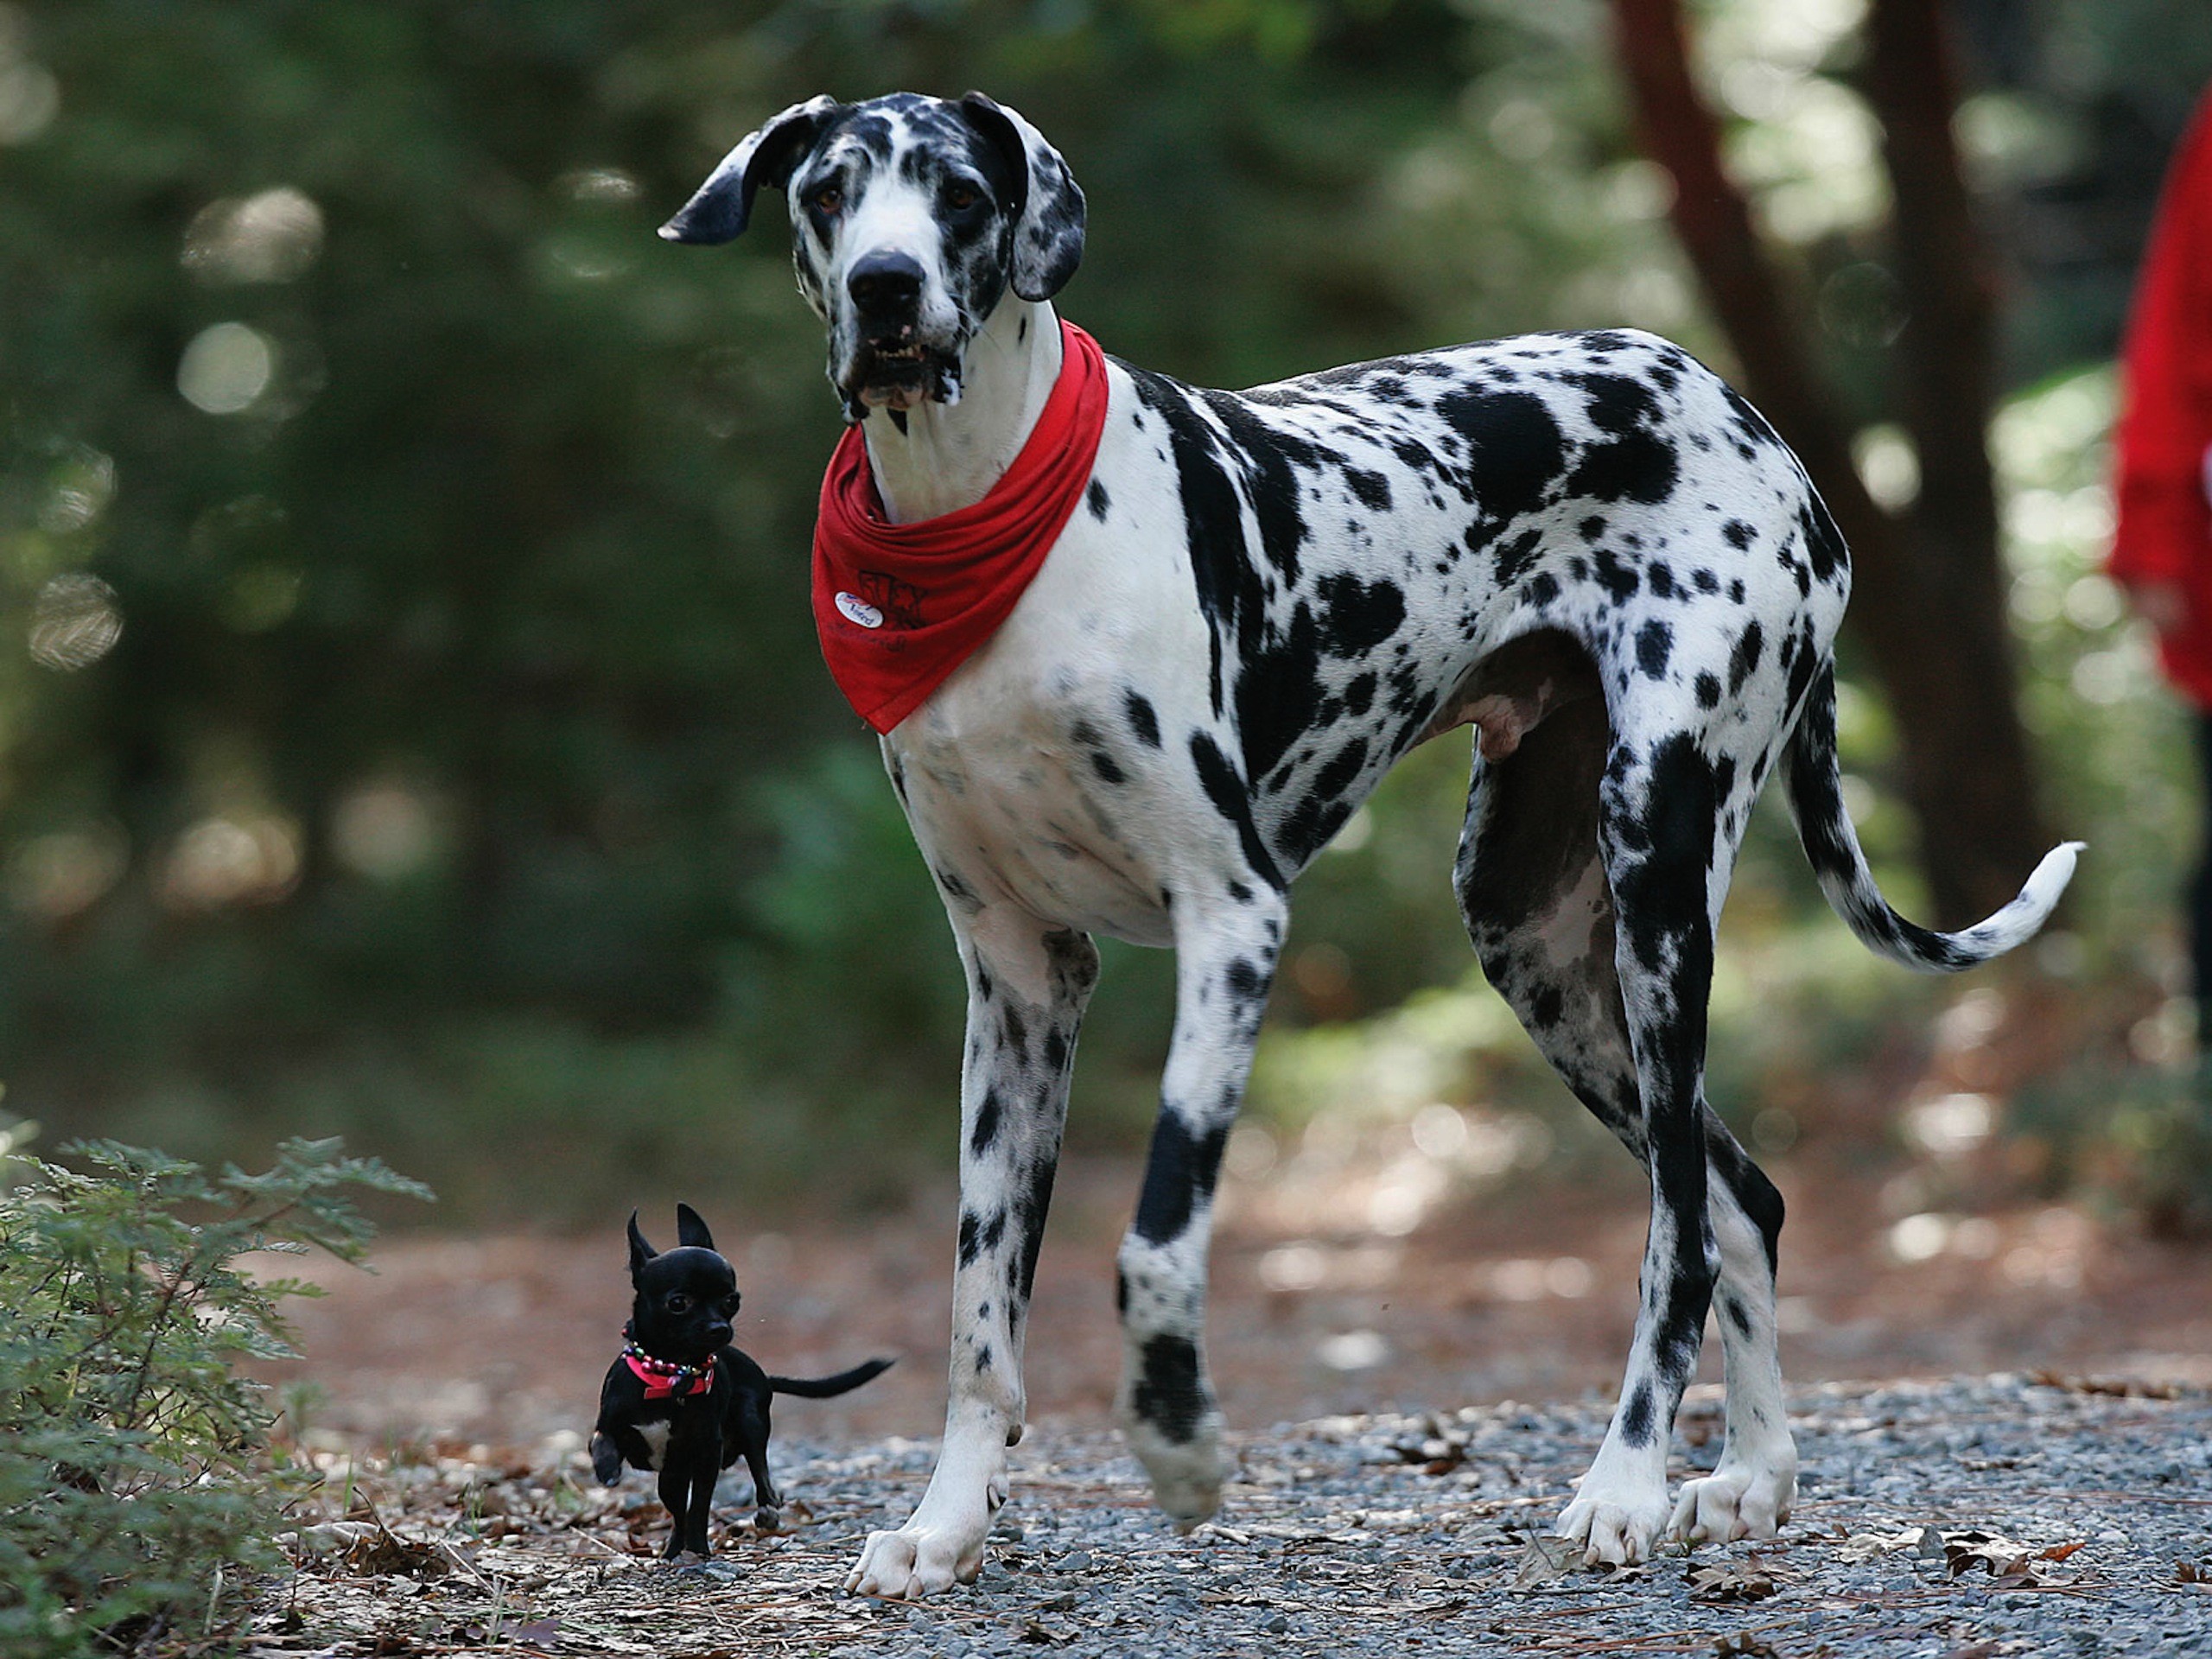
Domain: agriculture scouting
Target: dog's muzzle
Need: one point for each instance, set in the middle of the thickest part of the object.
(893, 364)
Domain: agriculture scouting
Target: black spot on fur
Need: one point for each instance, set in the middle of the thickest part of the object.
(1654, 644)
(1636, 1419)
(1358, 616)
(1142, 720)
(1372, 488)
(987, 1121)
(1708, 691)
(978, 1237)
(1515, 556)
(1096, 500)
(1824, 545)
(1178, 1175)
(1168, 1394)
(1515, 450)
(1227, 793)
(1619, 581)
(1738, 533)
(1030, 1206)
(1744, 660)
(1346, 764)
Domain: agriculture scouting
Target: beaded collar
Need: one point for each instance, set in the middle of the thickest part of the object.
(665, 1380)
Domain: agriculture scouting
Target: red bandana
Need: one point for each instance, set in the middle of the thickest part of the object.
(899, 606)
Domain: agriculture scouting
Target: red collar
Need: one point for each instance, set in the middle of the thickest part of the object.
(664, 1380)
(899, 606)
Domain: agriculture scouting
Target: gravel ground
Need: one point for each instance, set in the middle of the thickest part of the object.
(1975, 1518)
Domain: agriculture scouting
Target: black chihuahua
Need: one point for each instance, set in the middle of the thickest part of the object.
(680, 1400)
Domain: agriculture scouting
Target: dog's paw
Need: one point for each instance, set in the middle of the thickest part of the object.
(1615, 1529)
(768, 1518)
(1187, 1475)
(914, 1562)
(1735, 1500)
(606, 1461)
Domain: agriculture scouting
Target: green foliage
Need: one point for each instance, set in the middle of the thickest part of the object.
(135, 1493)
(421, 733)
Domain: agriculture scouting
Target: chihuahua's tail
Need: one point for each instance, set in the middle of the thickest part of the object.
(821, 1387)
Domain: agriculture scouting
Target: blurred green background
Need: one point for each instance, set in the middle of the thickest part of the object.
(410, 722)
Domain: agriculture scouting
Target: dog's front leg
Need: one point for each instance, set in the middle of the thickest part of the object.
(1225, 961)
(1027, 989)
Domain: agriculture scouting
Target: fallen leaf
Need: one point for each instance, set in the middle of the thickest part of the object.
(1745, 1644)
(1730, 1581)
(1865, 1546)
(1965, 1551)
(2060, 1552)
(1546, 1559)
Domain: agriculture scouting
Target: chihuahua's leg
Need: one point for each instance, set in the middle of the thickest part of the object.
(750, 1425)
(702, 1501)
(1027, 984)
(675, 1499)
(1226, 946)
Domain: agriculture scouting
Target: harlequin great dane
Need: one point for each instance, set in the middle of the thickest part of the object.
(1584, 545)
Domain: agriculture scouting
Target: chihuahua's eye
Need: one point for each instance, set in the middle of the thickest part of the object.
(829, 199)
(729, 1304)
(960, 198)
(679, 1303)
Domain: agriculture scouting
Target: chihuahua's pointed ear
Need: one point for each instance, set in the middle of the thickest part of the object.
(640, 1252)
(718, 209)
(690, 1231)
(1049, 217)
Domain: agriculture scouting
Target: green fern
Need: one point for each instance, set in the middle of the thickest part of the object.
(138, 1496)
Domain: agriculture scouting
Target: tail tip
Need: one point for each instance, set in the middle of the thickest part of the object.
(2056, 869)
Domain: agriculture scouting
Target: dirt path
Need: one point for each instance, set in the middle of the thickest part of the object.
(1967, 1519)
(501, 1341)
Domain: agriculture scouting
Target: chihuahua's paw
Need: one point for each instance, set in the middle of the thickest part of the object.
(768, 1518)
(914, 1562)
(606, 1461)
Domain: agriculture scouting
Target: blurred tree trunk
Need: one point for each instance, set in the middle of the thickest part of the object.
(1928, 596)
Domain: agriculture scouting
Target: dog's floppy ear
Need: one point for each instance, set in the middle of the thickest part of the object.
(640, 1252)
(690, 1231)
(718, 209)
(1048, 216)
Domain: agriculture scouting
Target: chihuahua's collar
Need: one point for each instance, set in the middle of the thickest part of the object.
(662, 1379)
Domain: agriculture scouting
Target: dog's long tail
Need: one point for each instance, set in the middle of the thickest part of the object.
(1832, 845)
(821, 1387)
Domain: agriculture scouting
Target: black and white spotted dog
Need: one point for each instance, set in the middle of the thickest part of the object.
(1584, 545)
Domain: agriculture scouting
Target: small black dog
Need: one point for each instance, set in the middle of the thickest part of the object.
(680, 1400)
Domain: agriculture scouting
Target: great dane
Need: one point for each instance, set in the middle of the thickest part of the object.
(1584, 545)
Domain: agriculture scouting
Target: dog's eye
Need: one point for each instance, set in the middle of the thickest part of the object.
(729, 1304)
(679, 1303)
(960, 198)
(829, 199)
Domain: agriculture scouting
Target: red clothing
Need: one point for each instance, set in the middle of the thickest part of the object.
(898, 608)
(2164, 532)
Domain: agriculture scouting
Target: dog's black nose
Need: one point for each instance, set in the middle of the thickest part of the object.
(884, 283)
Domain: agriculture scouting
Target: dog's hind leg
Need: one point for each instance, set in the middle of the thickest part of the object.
(1027, 985)
(1750, 1493)
(1533, 888)
(1226, 948)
